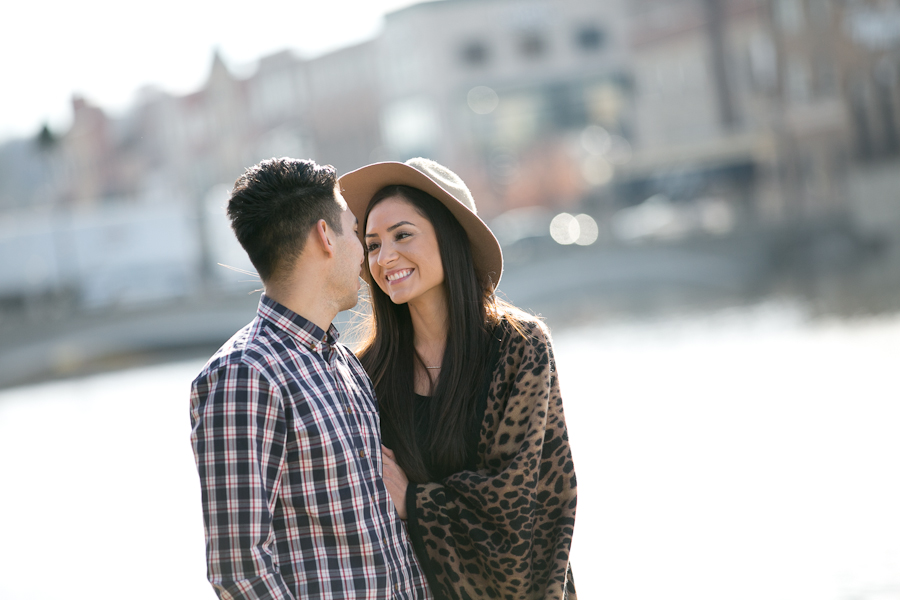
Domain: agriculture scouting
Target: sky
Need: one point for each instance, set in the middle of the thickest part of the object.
(106, 51)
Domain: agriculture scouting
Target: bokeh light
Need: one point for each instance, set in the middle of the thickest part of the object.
(597, 171)
(567, 229)
(595, 140)
(564, 229)
(587, 230)
(482, 99)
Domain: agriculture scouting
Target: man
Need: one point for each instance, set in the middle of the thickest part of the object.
(285, 424)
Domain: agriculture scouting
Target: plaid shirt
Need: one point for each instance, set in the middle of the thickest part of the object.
(286, 439)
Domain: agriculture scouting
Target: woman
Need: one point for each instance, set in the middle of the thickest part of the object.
(478, 460)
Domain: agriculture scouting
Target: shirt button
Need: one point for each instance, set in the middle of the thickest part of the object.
(362, 453)
(349, 410)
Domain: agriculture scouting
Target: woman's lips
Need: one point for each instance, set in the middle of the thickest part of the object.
(398, 276)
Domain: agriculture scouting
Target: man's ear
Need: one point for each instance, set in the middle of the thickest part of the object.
(323, 237)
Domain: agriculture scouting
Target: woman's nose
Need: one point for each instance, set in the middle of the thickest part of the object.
(386, 255)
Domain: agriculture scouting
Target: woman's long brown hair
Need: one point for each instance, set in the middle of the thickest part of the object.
(389, 356)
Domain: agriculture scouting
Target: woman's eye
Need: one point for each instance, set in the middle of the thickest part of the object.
(372, 247)
(402, 234)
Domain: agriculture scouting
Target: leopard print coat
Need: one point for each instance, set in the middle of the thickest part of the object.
(505, 529)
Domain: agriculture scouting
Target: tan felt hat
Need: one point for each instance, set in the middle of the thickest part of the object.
(360, 185)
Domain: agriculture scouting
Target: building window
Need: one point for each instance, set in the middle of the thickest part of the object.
(532, 45)
(565, 106)
(798, 87)
(763, 61)
(820, 13)
(475, 53)
(824, 76)
(590, 39)
(789, 14)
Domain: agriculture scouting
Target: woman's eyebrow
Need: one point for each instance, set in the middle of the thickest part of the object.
(392, 227)
(396, 225)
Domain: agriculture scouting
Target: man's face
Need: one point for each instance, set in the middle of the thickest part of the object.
(349, 257)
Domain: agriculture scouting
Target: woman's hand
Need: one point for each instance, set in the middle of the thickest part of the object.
(395, 481)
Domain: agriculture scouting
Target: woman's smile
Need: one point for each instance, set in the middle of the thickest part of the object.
(399, 276)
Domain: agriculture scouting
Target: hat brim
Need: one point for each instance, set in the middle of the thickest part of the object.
(360, 185)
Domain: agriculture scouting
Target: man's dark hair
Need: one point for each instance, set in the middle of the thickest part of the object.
(275, 204)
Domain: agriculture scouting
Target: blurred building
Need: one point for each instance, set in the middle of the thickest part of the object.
(726, 105)
(501, 90)
(489, 87)
(700, 125)
(745, 112)
(780, 110)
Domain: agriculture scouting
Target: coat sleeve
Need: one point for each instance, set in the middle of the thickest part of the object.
(505, 530)
(238, 436)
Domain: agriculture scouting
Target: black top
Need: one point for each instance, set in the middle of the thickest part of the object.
(423, 430)
(423, 417)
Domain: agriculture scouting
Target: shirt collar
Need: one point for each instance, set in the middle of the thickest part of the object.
(308, 333)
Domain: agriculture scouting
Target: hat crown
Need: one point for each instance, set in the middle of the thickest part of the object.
(447, 179)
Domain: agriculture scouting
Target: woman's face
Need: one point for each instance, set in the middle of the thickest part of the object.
(403, 254)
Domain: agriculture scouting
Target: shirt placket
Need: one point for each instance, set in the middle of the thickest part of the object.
(350, 416)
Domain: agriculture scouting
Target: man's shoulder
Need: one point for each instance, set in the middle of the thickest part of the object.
(249, 346)
(352, 360)
(348, 353)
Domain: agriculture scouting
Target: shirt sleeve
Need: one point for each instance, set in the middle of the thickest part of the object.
(238, 436)
(505, 529)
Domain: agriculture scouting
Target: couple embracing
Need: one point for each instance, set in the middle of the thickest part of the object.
(437, 463)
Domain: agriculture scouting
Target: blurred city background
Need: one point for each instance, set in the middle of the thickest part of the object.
(702, 198)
